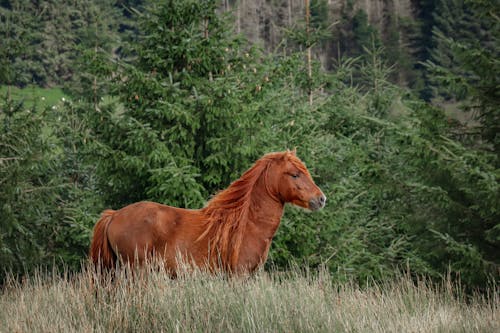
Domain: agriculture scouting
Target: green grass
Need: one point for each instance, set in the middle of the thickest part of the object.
(267, 302)
(31, 95)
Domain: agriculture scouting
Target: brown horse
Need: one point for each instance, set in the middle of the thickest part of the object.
(232, 233)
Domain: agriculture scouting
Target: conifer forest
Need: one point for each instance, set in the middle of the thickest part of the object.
(393, 105)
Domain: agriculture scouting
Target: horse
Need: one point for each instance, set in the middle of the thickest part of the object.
(232, 233)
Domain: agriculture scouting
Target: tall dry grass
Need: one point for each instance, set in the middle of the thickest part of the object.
(267, 302)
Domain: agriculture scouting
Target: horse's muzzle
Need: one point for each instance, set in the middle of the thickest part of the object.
(317, 203)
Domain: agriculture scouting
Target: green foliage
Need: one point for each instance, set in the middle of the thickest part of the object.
(319, 14)
(19, 33)
(364, 33)
(95, 41)
(23, 180)
(401, 192)
(184, 107)
(47, 206)
(170, 100)
(41, 41)
(317, 31)
(355, 33)
(464, 62)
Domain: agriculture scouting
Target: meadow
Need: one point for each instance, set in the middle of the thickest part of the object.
(35, 96)
(294, 301)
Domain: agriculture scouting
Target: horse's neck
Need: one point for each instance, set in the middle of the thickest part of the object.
(257, 224)
(265, 211)
(263, 219)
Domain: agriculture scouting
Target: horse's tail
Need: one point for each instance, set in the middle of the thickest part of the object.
(101, 253)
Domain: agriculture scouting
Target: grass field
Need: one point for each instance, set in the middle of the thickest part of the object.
(267, 302)
(44, 97)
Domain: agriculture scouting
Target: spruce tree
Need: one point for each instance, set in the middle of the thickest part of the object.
(49, 201)
(184, 119)
(464, 60)
(19, 36)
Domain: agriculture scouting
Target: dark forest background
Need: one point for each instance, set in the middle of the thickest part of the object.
(393, 106)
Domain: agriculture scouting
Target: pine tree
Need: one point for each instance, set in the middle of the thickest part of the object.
(19, 35)
(184, 121)
(96, 42)
(43, 40)
(48, 198)
(464, 60)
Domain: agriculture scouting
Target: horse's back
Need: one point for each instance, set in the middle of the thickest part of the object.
(141, 229)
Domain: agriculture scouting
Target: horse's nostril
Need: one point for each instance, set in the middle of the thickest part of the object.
(317, 202)
(322, 199)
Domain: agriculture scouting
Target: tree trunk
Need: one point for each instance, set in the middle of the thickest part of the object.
(309, 57)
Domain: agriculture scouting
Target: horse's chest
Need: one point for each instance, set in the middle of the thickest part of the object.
(256, 242)
(254, 253)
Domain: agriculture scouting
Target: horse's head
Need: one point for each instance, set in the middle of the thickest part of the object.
(291, 182)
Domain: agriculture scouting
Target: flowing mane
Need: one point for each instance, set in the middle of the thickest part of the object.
(227, 212)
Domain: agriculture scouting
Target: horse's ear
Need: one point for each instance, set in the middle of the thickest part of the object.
(291, 152)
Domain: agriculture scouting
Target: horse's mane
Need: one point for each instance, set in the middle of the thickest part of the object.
(227, 212)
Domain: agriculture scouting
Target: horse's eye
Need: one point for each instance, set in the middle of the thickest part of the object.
(295, 175)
